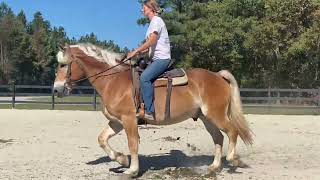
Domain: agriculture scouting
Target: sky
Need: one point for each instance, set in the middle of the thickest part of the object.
(109, 19)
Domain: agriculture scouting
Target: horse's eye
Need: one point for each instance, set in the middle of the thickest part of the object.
(62, 65)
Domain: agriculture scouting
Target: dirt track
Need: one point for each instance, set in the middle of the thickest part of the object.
(63, 145)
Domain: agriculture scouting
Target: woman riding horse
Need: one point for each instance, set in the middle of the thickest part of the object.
(158, 43)
(214, 98)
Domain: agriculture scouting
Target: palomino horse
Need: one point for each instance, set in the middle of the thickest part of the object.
(212, 97)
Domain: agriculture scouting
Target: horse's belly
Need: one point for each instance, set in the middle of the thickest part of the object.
(183, 104)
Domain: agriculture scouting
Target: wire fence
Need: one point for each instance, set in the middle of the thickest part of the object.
(34, 94)
(255, 99)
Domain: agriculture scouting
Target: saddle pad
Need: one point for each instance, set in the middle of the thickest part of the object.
(175, 81)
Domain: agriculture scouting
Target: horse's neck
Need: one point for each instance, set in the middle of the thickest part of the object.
(101, 81)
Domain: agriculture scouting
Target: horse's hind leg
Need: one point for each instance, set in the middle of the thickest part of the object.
(232, 134)
(232, 157)
(112, 129)
(222, 122)
(218, 141)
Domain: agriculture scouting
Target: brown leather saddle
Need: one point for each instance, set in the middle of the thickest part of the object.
(172, 77)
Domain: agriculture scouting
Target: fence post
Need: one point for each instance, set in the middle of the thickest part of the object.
(278, 97)
(94, 99)
(13, 95)
(52, 98)
(318, 101)
(299, 96)
(318, 95)
(269, 96)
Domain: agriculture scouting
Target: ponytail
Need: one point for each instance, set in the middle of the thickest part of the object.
(154, 6)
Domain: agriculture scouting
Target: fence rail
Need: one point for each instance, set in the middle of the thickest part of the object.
(306, 98)
(14, 91)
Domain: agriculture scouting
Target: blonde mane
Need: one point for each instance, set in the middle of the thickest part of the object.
(102, 55)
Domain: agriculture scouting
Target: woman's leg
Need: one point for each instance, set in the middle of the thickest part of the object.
(148, 76)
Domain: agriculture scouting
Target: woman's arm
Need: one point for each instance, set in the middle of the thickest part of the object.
(152, 40)
(144, 51)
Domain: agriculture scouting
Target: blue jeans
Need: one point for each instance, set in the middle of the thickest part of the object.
(148, 76)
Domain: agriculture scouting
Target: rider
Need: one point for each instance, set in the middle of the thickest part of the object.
(158, 43)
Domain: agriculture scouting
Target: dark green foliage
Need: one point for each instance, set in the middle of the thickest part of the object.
(28, 49)
(265, 43)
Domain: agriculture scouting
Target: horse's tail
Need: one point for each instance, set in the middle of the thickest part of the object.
(235, 113)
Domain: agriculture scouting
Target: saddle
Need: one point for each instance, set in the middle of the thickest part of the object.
(171, 77)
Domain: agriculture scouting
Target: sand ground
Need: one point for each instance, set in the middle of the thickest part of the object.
(44, 144)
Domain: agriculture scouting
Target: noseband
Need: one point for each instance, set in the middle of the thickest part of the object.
(69, 83)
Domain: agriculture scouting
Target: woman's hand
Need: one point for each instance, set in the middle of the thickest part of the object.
(132, 54)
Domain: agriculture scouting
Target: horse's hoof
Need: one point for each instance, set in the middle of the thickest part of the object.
(123, 160)
(210, 175)
(214, 169)
(235, 162)
(238, 163)
(131, 173)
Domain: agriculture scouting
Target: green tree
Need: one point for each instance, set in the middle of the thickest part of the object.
(6, 26)
(304, 56)
(28, 49)
(256, 39)
(92, 38)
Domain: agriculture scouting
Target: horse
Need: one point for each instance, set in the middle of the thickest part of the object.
(212, 97)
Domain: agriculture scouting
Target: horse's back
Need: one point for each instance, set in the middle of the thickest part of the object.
(212, 87)
(202, 86)
(203, 77)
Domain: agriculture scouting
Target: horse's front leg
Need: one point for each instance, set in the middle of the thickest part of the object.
(131, 129)
(113, 129)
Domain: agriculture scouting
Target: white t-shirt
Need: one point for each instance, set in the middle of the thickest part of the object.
(161, 50)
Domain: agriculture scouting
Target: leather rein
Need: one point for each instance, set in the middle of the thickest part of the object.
(68, 77)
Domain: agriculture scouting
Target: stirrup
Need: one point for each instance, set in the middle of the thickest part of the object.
(149, 117)
(141, 111)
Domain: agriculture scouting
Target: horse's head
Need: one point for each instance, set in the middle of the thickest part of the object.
(72, 68)
(69, 70)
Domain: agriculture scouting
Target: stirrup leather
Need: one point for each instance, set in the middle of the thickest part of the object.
(141, 111)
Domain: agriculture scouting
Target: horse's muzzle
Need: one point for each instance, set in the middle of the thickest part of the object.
(61, 91)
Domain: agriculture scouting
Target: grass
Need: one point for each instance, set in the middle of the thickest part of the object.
(247, 110)
(49, 107)
(66, 99)
(81, 99)
(283, 110)
(47, 100)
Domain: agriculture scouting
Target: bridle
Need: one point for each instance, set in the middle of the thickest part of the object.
(69, 83)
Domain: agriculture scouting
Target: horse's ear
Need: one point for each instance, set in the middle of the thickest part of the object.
(60, 47)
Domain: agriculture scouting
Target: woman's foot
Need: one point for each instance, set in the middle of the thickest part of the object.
(149, 117)
(145, 116)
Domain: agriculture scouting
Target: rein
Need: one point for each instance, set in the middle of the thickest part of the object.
(81, 66)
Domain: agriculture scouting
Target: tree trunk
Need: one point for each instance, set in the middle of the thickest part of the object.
(1, 58)
(3, 61)
(5, 65)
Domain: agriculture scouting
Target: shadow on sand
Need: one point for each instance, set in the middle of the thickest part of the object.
(175, 158)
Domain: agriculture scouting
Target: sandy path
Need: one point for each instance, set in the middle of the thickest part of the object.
(43, 144)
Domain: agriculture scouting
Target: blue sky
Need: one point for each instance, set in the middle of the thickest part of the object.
(108, 19)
